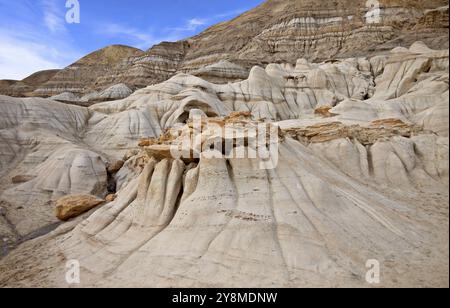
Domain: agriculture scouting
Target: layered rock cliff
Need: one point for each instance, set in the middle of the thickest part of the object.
(27, 86)
(79, 77)
(274, 32)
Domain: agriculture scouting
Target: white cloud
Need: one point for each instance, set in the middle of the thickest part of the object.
(27, 46)
(230, 13)
(146, 38)
(34, 36)
(141, 39)
(19, 59)
(54, 16)
(194, 24)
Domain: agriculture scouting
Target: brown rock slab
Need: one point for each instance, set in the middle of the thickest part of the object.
(72, 206)
(159, 151)
(22, 179)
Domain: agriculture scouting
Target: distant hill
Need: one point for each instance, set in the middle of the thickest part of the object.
(276, 31)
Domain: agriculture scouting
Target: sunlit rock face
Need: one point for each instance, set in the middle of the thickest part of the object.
(360, 172)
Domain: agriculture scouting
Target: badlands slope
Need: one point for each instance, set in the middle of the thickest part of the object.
(277, 31)
(361, 173)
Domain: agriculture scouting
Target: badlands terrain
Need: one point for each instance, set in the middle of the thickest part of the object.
(353, 167)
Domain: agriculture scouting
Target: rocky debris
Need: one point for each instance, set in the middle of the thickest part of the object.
(166, 138)
(72, 206)
(366, 135)
(222, 134)
(145, 142)
(159, 151)
(238, 116)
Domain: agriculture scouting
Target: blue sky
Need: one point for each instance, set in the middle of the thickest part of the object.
(34, 34)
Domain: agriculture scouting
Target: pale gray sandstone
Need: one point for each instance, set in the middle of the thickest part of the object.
(115, 92)
(66, 97)
(368, 179)
(222, 72)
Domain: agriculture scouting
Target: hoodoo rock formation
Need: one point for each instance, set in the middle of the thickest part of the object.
(359, 171)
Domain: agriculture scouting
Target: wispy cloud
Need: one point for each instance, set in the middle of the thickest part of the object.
(231, 13)
(191, 25)
(32, 40)
(19, 59)
(53, 15)
(194, 24)
(34, 35)
(139, 38)
(146, 38)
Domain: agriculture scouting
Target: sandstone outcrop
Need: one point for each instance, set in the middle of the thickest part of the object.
(368, 135)
(323, 195)
(72, 206)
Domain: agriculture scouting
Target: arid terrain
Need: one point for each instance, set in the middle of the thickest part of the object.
(352, 164)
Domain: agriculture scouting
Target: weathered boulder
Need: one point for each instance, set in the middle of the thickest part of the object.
(72, 206)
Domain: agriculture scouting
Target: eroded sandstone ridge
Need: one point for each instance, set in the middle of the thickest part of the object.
(360, 172)
(277, 31)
